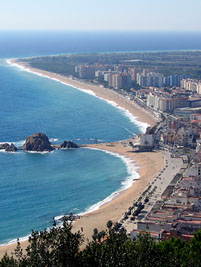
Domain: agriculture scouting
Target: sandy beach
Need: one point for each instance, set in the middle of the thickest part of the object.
(150, 164)
(108, 94)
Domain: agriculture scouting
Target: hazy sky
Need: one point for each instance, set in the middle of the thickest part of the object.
(100, 14)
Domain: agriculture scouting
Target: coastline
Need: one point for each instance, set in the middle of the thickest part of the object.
(110, 96)
(150, 162)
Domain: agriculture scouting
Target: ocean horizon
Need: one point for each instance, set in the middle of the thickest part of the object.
(39, 43)
(37, 187)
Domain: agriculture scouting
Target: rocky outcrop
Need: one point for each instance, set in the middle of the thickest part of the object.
(37, 142)
(68, 144)
(8, 147)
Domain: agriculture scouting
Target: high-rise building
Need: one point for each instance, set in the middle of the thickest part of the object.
(115, 80)
(85, 71)
(119, 80)
(151, 79)
(133, 73)
(167, 104)
(191, 85)
(175, 79)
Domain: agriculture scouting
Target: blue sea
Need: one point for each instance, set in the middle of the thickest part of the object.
(34, 187)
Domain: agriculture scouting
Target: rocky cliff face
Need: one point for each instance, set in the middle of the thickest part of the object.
(37, 142)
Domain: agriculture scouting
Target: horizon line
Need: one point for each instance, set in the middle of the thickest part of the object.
(99, 30)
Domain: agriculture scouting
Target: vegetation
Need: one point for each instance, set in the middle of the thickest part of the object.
(59, 247)
(167, 63)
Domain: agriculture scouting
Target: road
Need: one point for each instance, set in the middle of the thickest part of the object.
(160, 183)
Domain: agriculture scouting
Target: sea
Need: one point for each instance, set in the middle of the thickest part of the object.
(37, 187)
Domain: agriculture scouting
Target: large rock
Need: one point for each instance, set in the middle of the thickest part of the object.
(68, 144)
(37, 142)
(8, 147)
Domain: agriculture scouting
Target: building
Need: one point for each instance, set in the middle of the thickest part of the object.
(150, 79)
(192, 85)
(143, 142)
(194, 102)
(115, 80)
(166, 103)
(133, 73)
(119, 80)
(85, 71)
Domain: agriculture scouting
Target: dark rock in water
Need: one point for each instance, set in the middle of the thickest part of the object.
(68, 144)
(8, 148)
(11, 148)
(37, 142)
(3, 146)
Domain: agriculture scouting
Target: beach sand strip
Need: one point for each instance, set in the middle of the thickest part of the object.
(150, 164)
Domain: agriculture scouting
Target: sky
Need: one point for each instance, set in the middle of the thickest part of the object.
(165, 15)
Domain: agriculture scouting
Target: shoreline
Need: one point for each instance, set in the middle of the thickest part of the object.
(149, 164)
(133, 175)
(114, 208)
(141, 116)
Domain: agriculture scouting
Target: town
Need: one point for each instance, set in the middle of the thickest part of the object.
(171, 204)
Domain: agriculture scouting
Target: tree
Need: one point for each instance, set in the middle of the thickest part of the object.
(195, 250)
(115, 250)
(7, 261)
(59, 247)
(109, 224)
(173, 253)
(145, 251)
(55, 247)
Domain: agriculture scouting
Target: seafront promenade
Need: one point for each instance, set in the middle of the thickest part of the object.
(163, 179)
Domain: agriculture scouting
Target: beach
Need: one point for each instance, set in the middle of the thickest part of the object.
(107, 94)
(150, 163)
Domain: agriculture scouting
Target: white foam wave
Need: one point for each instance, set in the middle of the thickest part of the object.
(4, 151)
(17, 143)
(100, 204)
(27, 69)
(53, 139)
(21, 239)
(133, 174)
(141, 125)
(38, 152)
(58, 218)
(89, 92)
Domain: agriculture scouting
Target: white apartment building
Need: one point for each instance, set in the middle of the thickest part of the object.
(192, 85)
(150, 79)
(162, 103)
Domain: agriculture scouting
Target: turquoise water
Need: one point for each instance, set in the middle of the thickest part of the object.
(30, 103)
(36, 187)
